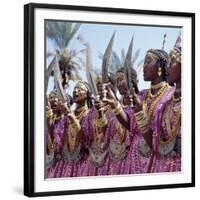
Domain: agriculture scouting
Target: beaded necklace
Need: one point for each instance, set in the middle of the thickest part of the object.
(73, 128)
(151, 100)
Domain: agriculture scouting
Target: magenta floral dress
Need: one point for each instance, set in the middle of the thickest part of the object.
(70, 162)
(170, 139)
(55, 170)
(151, 158)
(97, 161)
(124, 157)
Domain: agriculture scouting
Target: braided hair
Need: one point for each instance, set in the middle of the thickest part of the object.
(162, 60)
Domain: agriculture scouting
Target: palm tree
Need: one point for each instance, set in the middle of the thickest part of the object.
(61, 32)
(70, 60)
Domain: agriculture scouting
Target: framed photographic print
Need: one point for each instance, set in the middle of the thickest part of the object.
(108, 99)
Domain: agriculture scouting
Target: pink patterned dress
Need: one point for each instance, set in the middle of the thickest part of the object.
(58, 133)
(170, 139)
(97, 161)
(151, 159)
(123, 155)
(70, 163)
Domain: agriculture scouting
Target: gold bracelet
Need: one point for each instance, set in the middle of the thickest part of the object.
(140, 118)
(118, 109)
(142, 121)
(140, 113)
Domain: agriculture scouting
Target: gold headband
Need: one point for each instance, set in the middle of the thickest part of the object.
(54, 95)
(83, 86)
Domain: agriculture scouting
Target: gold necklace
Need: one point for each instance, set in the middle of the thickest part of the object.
(157, 93)
(159, 85)
(56, 118)
(83, 110)
(154, 102)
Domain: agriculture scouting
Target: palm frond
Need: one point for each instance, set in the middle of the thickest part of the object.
(135, 56)
(62, 32)
(74, 29)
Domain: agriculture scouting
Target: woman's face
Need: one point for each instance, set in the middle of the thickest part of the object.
(150, 67)
(54, 103)
(173, 72)
(121, 83)
(79, 93)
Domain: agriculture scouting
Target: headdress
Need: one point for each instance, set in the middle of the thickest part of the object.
(175, 53)
(85, 85)
(161, 55)
(54, 94)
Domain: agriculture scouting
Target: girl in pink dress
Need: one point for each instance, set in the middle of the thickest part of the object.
(170, 135)
(71, 138)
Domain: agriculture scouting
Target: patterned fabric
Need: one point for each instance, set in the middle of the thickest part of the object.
(156, 162)
(121, 151)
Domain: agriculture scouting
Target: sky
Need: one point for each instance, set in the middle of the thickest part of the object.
(98, 36)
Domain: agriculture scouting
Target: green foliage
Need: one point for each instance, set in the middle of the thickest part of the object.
(61, 32)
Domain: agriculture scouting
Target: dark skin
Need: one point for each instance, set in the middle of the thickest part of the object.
(80, 98)
(173, 75)
(112, 101)
(122, 88)
(121, 83)
(151, 66)
(150, 70)
(54, 104)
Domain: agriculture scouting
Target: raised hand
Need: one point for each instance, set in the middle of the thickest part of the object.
(137, 103)
(49, 112)
(70, 113)
(98, 103)
(110, 96)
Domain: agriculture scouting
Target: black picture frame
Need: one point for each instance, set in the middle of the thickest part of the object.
(29, 94)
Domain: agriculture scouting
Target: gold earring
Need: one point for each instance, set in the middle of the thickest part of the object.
(159, 71)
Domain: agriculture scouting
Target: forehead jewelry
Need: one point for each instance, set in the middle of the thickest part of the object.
(82, 85)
